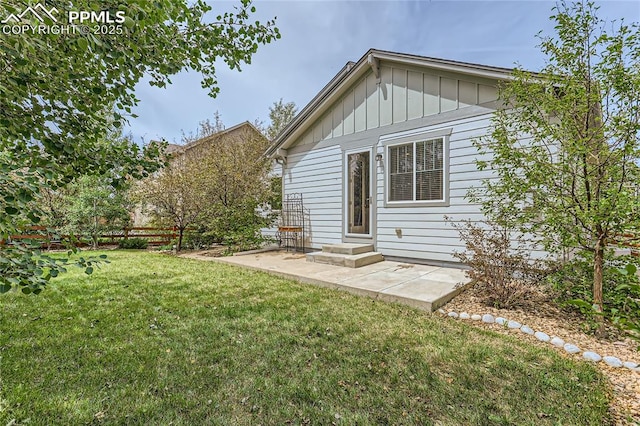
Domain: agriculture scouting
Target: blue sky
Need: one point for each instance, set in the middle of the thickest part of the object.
(319, 37)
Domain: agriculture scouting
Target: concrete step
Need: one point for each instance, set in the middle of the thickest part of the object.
(346, 260)
(347, 248)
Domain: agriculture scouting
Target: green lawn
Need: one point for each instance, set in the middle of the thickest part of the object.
(153, 339)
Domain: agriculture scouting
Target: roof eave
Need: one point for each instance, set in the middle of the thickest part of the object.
(321, 102)
(311, 108)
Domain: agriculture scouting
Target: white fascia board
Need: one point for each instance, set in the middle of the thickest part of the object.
(450, 66)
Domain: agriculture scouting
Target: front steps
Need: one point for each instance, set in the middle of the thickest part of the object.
(347, 254)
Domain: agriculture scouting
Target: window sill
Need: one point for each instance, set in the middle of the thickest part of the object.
(401, 204)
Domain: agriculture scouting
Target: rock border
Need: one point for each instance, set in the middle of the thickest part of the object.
(570, 348)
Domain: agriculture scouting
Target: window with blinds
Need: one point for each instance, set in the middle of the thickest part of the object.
(401, 173)
(416, 171)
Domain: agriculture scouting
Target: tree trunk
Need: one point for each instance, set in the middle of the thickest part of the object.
(598, 265)
(181, 232)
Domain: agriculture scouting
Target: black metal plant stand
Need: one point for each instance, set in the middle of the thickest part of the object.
(292, 222)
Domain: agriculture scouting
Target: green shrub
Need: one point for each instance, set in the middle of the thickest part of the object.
(133, 243)
(166, 247)
(198, 240)
(621, 290)
(239, 229)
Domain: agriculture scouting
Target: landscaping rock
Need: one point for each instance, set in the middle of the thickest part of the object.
(571, 348)
(513, 324)
(464, 315)
(556, 341)
(453, 314)
(612, 361)
(543, 337)
(442, 311)
(501, 321)
(488, 318)
(476, 317)
(591, 356)
(630, 365)
(527, 330)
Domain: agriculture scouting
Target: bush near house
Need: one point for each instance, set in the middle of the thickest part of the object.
(502, 270)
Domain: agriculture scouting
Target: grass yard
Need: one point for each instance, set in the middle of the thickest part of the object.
(153, 339)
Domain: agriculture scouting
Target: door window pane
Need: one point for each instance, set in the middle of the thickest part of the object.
(359, 192)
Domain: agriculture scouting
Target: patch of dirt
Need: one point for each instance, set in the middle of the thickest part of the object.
(546, 317)
(295, 256)
(213, 252)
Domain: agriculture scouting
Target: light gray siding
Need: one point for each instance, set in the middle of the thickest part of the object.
(421, 232)
(317, 174)
(402, 100)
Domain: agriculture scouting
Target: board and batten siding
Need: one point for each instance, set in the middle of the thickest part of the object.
(402, 100)
(399, 95)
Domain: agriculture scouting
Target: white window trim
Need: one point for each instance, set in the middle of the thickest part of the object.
(404, 138)
(345, 189)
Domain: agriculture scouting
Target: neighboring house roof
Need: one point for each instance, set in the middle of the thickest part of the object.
(246, 125)
(172, 147)
(351, 72)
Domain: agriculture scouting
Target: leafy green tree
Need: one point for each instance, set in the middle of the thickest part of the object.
(176, 195)
(54, 87)
(214, 183)
(237, 183)
(566, 146)
(94, 207)
(280, 115)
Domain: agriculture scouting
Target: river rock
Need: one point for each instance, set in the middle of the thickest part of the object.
(526, 329)
(453, 314)
(441, 311)
(464, 315)
(543, 337)
(630, 365)
(501, 321)
(571, 348)
(612, 361)
(513, 324)
(488, 318)
(476, 317)
(591, 356)
(556, 341)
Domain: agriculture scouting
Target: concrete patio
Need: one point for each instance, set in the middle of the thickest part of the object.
(421, 286)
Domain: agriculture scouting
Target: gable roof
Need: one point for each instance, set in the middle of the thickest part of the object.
(173, 148)
(352, 71)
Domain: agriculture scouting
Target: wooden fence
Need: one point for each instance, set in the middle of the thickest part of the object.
(156, 236)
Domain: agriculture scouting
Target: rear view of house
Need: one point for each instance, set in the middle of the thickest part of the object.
(385, 151)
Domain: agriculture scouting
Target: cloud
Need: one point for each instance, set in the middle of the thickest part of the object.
(319, 37)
